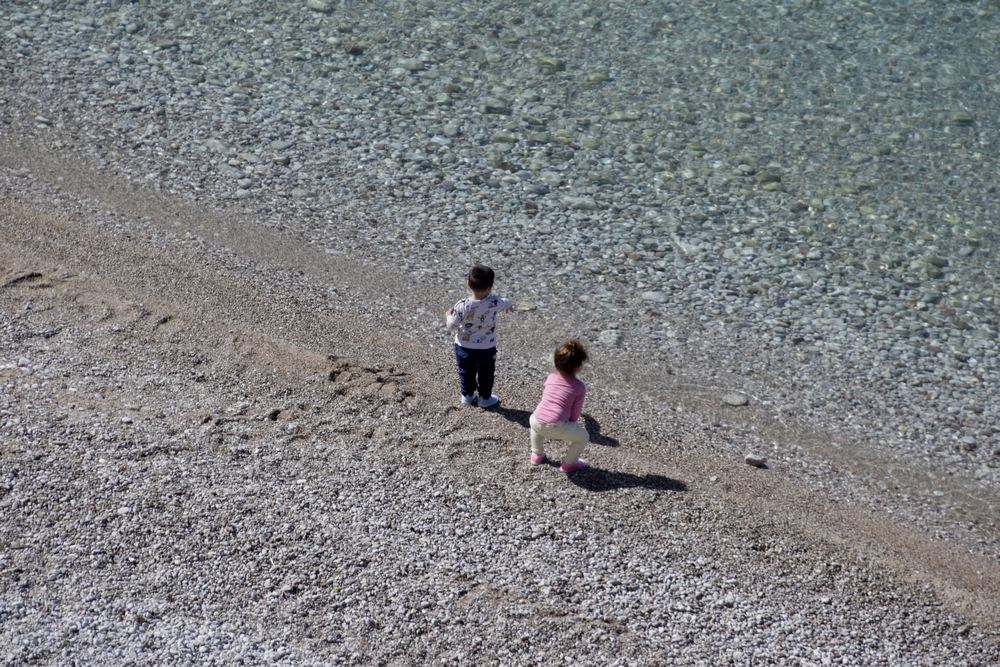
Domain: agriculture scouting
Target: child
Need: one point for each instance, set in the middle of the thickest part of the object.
(557, 412)
(474, 322)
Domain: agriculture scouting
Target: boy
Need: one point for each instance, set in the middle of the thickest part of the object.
(474, 322)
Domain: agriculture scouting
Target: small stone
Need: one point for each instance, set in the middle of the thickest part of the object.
(319, 6)
(216, 145)
(961, 118)
(411, 64)
(624, 116)
(603, 177)
(654, 296)
(741, 118)
(934, 260)
(497, 106)
(734, 399)
(766, 177)
(503, 137)
(610, 337)
(755, 461)
(190, 74)
(550, 63)
(580, 203)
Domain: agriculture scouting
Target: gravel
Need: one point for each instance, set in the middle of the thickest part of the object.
(183, 482)
(787, 204)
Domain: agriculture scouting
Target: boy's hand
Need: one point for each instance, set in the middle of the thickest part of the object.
(509, 309)
(448, 314)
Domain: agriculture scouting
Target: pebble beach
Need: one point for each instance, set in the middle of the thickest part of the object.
(774, 224)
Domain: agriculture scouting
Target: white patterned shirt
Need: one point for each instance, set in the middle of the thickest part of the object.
(474, 321)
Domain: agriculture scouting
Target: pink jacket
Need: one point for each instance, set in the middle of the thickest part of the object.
(562, 399)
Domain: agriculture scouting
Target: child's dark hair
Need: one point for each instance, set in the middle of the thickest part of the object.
(481, 277)
(569, 356)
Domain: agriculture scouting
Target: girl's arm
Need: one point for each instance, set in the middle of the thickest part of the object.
(577, 407)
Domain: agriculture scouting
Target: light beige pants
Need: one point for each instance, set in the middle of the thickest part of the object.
(571, 431)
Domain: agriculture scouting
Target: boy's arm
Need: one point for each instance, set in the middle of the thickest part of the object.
(453, 318)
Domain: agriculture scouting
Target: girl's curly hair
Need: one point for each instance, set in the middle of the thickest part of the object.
(569, 356)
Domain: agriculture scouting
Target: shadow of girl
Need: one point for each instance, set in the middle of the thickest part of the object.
(598, 480)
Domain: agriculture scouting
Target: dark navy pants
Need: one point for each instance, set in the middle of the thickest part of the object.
(475, 370)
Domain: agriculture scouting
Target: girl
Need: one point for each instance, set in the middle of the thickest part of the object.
(557, 412)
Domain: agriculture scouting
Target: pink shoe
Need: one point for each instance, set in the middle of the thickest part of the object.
(537, 459)
(573, 467)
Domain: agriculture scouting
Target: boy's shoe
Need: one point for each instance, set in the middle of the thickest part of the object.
(573, 467)
(537, 459)
(488, 402)
(468, 400)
